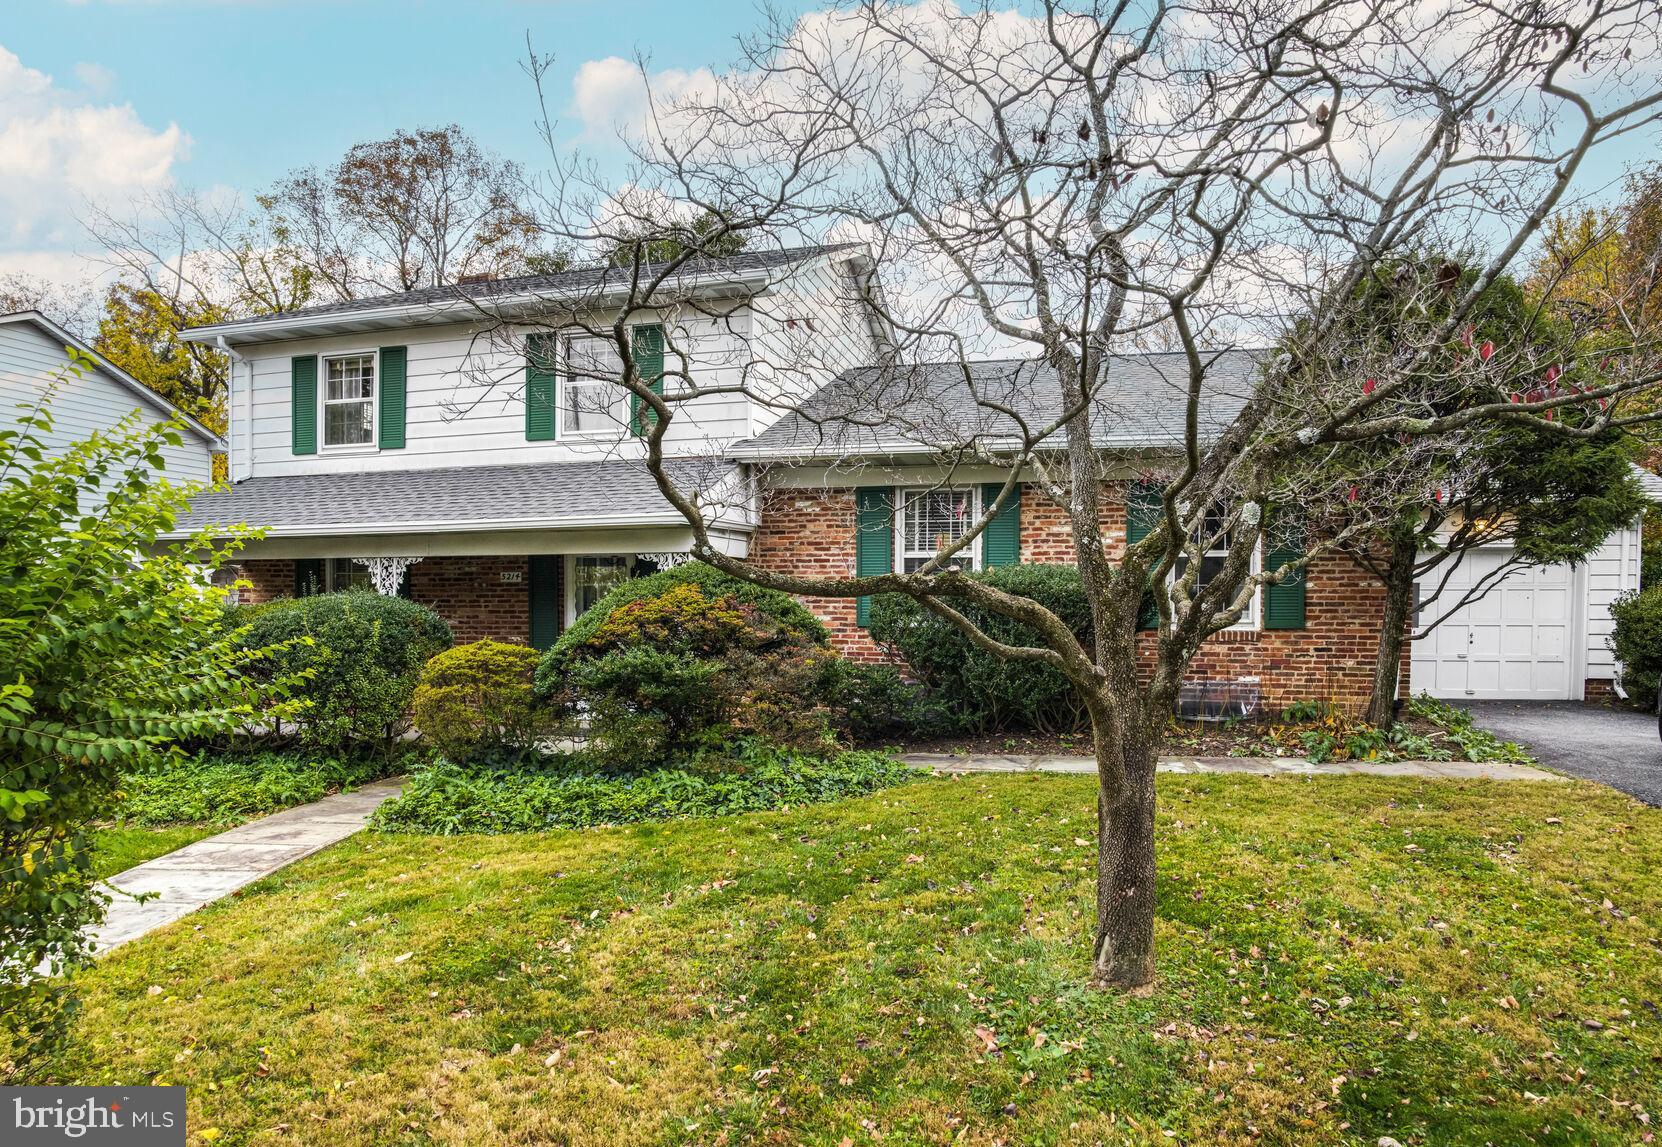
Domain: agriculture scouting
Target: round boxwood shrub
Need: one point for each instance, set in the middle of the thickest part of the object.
(475, 700)
(1637, 642)
(690, 657)
(364, 656)
(982, 692)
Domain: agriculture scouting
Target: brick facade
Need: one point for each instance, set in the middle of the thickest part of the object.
(468, 592)
(811, 532)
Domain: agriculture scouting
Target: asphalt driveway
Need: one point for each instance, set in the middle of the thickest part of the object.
(1615, 747)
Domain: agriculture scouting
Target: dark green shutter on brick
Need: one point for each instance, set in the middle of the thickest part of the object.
(1142, 514)
(540, 382)
(308, 577)
(547, 608)
(873, 540)
(1001, 540)
(303, 403)
(1284, 601)
(394, 387)
(647, 345)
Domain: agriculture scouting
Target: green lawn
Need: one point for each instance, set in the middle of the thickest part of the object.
(117, 849)
(1340, 959)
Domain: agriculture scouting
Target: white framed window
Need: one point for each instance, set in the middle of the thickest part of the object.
(590, 577)
(1217, 540)
(340, 574)
(349, 400)
(931, 519)
(592, 399)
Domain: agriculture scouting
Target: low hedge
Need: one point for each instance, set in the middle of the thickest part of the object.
(228, 789)
(449, 799)
(974, 689)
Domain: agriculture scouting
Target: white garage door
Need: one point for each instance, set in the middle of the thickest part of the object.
(1516, 641)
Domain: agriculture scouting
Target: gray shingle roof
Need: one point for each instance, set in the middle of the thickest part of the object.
(577, 282)
(901, 408)
(551, 494)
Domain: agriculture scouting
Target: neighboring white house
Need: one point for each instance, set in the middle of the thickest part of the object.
(33, 353)
(1541, 634)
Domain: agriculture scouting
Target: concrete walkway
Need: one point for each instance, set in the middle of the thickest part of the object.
(217, 866)
(1259, 766)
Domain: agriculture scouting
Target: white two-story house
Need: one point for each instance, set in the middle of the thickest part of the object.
(459, 442)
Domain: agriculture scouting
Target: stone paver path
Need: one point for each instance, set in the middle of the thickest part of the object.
(217, 866)
(1262, 766)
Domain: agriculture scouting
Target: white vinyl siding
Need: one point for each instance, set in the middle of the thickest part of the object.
(1612, 569)
(809, 328)
(30, 358)
(466, 402)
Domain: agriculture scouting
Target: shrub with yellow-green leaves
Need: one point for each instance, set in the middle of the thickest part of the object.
(475, 700)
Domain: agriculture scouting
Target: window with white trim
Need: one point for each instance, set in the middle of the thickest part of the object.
(592, 399)
(931, 520)
(349, 400)
(341, 574)
(1217, 540)
(590, 577)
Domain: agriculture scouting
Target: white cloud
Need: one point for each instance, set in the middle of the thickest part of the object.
(59, 148)
(95, 78)
(611, 95)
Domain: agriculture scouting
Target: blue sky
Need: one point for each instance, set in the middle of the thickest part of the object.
(258, 87)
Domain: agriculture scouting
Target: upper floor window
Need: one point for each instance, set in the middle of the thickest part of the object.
(593, 400)
(349, 400)
(930, 520)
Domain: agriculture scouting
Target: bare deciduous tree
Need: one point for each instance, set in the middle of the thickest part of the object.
(1082, 188)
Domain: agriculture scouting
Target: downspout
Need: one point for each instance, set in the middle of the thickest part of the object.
(225, 348)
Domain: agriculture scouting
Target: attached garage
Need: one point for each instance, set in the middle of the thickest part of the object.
(1541, 634)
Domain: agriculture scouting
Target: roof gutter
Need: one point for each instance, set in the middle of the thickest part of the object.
(455, 526)
(254, 329)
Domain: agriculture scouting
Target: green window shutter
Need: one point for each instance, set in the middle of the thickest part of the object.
(547, 599)
(1284, 601)
(394, 369)
(1001, 540)
(308, 576)
(1142, 514)
(646, 343)
(303, 403)
(873, 540)
(540, 382)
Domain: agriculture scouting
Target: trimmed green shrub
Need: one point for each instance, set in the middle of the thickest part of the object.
(782, 608)
(476, 699)
(450, 799)
(1637, 642)
(364, 656)
(981, 692)
(227, 789)
(690, 658)
(878, 703)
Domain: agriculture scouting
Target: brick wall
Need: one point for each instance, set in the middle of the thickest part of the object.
(468, 592)
(811, 532)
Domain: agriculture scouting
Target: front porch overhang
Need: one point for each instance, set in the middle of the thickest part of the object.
(589, 538)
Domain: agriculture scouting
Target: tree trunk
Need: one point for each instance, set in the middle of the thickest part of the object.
(1399, 603)
(1124, 958)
